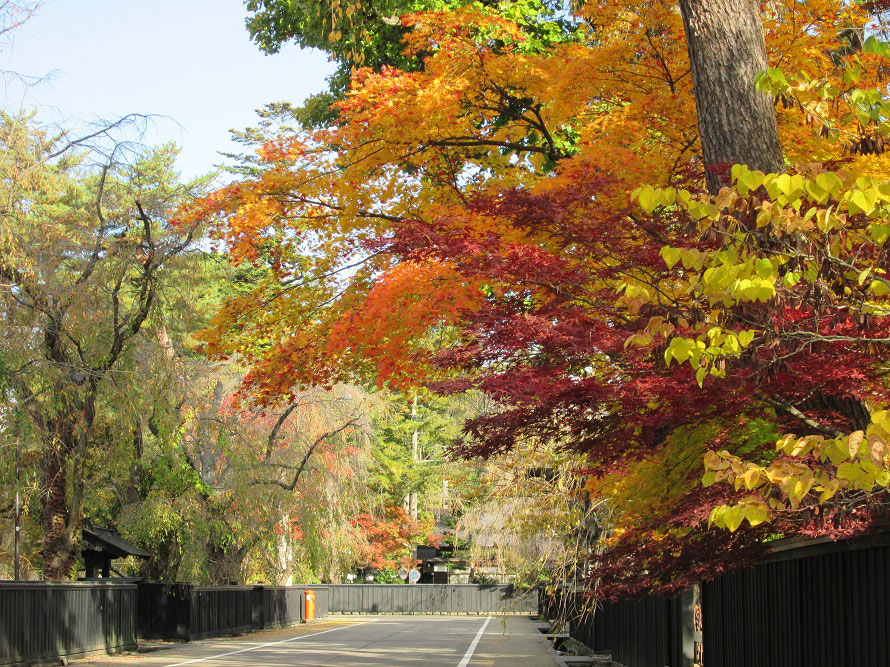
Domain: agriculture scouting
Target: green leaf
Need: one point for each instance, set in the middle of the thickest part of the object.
(680, 349)
(757, 514)
(691, 258)
(829, 182)
(850, 472)
(765, 268)
(733, 517)
(816, 192)
(875, 46)
(879, 288)
(785, 184)
(879, 233)
(738, 171)
(791, 278)
(861, 201)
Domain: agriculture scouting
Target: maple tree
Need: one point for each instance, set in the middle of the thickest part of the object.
(535, 222)
(369, 34)
(390, 538)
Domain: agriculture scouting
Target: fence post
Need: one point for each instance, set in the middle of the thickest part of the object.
(687, 626)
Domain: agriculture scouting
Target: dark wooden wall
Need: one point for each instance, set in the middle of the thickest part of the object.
(431, 599)
(46, 621)
(823, 605)
(814, 603)
(189, 611)
(638, 633)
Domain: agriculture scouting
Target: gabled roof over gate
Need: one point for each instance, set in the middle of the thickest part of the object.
(102, 539)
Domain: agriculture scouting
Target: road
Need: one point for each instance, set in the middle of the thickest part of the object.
(391, 641)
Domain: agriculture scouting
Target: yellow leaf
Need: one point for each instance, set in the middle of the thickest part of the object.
(854, 440)
(733, 517)
(751, 478)
(648, 199)
(671, 255)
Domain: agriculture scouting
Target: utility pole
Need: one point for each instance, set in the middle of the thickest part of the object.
(18, 502)
(415, 439)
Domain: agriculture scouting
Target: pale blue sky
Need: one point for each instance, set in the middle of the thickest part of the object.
(190, 60)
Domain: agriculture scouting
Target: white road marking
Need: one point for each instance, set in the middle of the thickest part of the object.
(254, 648)
(469, 654)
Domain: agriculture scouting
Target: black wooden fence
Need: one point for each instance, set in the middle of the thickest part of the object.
(189, 611)
(45, 621)
(813, 604)
(651, 632)
(431, 599)
(818, 605)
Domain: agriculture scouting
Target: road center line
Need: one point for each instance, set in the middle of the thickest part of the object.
(283, 641)
(469, 654)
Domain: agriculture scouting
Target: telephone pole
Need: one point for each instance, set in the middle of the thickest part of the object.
(415, 439)
(18, 502)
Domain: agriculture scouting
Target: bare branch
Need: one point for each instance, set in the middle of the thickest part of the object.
(782, 404)
(273, 435)
(309, 452)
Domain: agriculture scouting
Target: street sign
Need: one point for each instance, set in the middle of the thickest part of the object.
(414, 576)
(403, 573)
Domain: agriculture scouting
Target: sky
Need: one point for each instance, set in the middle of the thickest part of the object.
(189, 62)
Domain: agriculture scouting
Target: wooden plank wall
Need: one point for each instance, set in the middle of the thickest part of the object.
(47, 621)
(824, 609)
(431, 599)
(188, 611)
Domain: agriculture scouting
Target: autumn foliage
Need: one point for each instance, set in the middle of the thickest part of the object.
(390, 538)
(531, 221)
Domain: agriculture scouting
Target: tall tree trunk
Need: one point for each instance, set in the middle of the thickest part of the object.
(285, 548)
(64, 458)
(736, 123)
(59, 548)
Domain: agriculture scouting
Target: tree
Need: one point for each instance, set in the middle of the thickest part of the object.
(229, 494)
(484, 202)
(526, 515)
(370, 34)
(82, 257)
(390, 538)
(412, 435)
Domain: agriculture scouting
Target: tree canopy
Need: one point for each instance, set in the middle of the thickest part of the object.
(619, 265)
(532, 221)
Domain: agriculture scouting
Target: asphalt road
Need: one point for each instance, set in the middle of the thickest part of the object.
(393, 641)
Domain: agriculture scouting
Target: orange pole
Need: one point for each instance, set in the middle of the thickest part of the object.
(309, 606)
